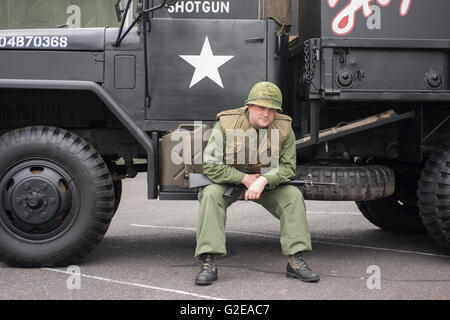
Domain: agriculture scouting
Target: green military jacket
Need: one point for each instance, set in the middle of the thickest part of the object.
(217, 169)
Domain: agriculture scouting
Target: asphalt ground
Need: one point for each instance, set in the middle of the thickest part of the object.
(148, 254)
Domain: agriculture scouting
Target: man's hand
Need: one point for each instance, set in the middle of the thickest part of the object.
(255, 189)
(249, 179)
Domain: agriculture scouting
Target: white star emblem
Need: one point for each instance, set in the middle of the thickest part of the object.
(206, 65)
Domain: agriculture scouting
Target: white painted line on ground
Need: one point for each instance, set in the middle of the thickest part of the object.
(351, 213)
(314, 241)
(193, 229)
(382, 249)
(137, 285)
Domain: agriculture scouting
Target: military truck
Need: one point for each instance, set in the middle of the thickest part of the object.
(366, 83)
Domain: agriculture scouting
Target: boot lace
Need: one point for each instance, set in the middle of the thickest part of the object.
(301, 263)
(208, 263)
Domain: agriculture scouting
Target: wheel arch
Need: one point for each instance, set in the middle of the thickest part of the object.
(117, 111)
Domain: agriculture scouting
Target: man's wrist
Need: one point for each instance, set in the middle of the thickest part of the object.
(263, 179)
(270, 179)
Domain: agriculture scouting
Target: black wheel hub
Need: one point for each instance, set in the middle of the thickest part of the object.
(38, 200)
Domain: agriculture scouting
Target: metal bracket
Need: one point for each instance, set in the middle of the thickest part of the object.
(332, 133)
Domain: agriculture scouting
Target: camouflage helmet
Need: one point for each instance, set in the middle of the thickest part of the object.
(265, 94)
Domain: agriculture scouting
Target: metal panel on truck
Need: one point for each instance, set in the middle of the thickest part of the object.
(213, 9)
(208, 69)
(376, 50)
(407, 19)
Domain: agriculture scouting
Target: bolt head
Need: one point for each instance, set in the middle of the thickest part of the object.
(33, 202)
(345, 79)
(434, 80)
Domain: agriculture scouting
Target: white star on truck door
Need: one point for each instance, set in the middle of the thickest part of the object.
(206, 65)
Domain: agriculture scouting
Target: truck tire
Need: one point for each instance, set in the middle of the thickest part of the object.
(117, 193)
(388, 214)
(355, 183)
(434, 195)
(57, 197)
(397, 213)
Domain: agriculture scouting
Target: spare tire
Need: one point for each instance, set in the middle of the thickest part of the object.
(354, 183)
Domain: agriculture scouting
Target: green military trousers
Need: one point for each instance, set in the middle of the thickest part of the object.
(284, 202)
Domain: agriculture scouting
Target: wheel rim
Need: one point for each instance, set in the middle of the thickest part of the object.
(39, 200)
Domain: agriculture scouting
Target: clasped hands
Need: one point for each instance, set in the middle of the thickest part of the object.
(255, 184)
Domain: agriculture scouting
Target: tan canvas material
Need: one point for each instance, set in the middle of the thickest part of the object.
(280, 11)
(236, 119)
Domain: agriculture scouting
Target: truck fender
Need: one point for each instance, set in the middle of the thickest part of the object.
(143, 139)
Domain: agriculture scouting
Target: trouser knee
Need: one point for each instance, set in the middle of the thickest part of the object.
(212, 194)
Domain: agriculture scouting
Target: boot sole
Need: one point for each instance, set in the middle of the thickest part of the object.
(294, 276)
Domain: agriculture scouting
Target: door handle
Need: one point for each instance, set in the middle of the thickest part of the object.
(255, 40)
(278, 48)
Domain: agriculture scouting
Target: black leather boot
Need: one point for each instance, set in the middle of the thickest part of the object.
(298, 269)
(208, 272)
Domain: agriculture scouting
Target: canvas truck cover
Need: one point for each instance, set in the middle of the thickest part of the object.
(25, 14)
(375, 19)
(279, 10)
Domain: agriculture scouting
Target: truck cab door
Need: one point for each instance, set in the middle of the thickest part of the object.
(201, 64)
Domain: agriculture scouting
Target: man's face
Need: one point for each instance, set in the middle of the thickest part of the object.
(261, 117)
